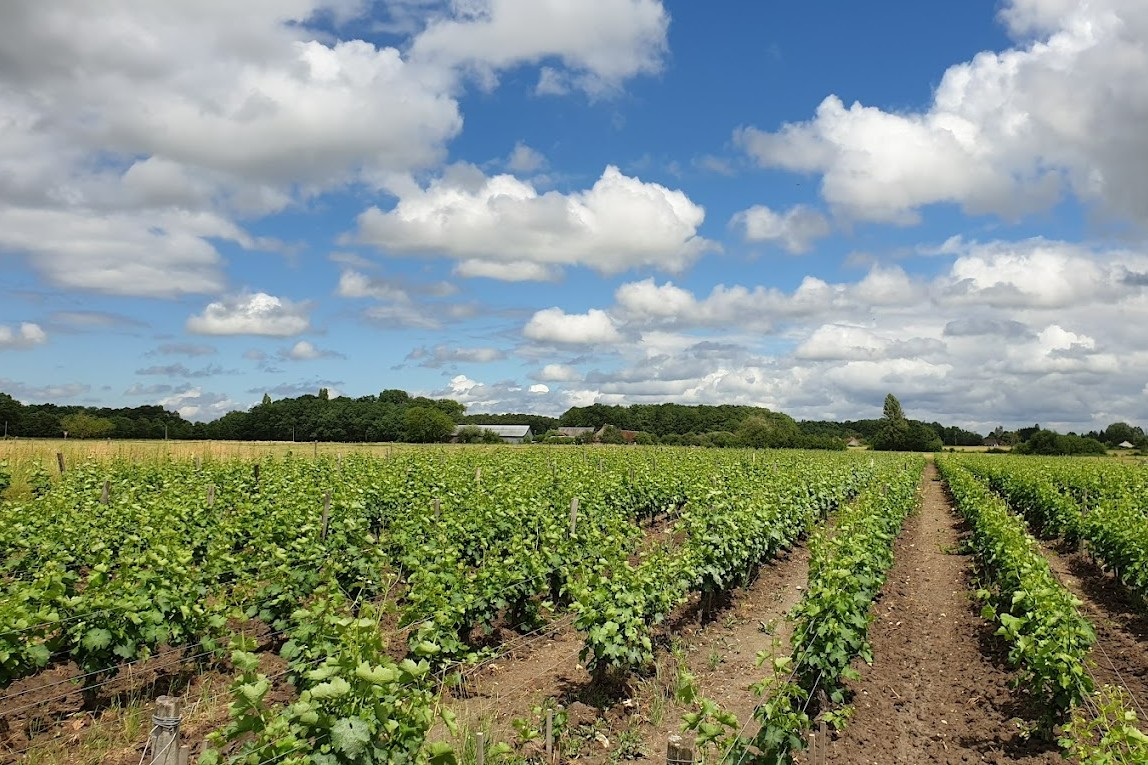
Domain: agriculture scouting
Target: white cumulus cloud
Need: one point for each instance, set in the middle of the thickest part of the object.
(251, 314)
(600, 43)
(619, 223)
(553, 325)
(1006, 133)
(796, 229)
(24, 336)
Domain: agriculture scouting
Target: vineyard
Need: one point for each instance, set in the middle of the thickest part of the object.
(522, 604)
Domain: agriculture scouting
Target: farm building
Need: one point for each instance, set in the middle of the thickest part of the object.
(854, 443)
(1126, 445)
(574, 432)
(993, 442)
(511, 434)
(629, 436)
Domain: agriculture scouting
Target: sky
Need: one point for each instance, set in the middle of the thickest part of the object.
(528, 205)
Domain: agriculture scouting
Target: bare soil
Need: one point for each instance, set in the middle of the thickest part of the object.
(938, 690)
(48, 711)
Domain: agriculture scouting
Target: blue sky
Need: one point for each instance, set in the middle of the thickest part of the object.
(531, 205)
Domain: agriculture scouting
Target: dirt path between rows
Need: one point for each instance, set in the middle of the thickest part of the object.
(938, 691)
(1121, 650)
(635, 723)
(722, 656)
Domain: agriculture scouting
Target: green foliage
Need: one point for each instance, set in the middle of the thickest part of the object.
(490, 437)
(846, 571)
(1048, 640)
(1049, 442)
(356, 706)
(1101, 504)
(901, 435)
(469, 434)
(83, 425)
(1108, 736)
(424, 425)
(611, 435)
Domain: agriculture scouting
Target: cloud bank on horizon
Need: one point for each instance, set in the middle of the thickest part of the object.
(533, 205)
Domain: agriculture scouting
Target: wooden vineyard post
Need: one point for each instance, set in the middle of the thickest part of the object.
(104, 493)
(60, 462)
(823, 747)
(478, 475)
(479, 748)
(316, 453)
(211, 495)
(326, 512)
(573, 515)
(165, 748)
(678, 752)
(550, 734)
(255, 472)
(198, 463)
(437, 509)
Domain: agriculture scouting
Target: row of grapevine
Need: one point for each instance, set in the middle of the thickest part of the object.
(733, 522)
(1049, 642)
(1101, 505)
(848, 565)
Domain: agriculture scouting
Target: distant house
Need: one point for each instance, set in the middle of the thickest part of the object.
(511, 434)
(854, 442)
(1126, 445)
(629, 436)
(993, 442)
(574, 432)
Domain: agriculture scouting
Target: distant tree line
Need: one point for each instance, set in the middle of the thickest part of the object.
(703, 425)
(395, 415)
(866, 430)
(52, 420)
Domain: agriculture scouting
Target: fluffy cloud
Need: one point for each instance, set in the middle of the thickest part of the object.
(503, 396)
(1005, 333)
(251, 314)
(761, 308)
(553, 325)
(117, 253)
(796, 229)
(37, 394)
(397, 305)
(26, 335)
(304, 350)
(1006, 132)
(198, 405)
(600, 42)
(558, 373)
(513, 271)
(525, 159)
(619, 223)
(443, 355)
(129, 151)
